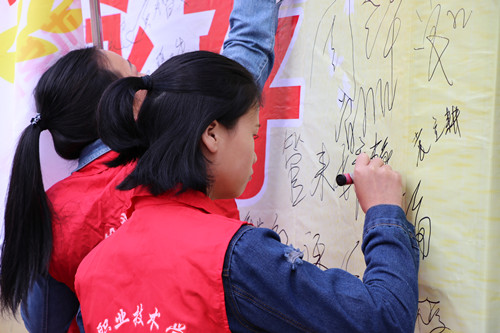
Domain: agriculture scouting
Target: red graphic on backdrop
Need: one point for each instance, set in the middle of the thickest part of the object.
(111, 33)
(279, 102)
(141, 49)
(11, 2)
(118, 4)
(220, 24)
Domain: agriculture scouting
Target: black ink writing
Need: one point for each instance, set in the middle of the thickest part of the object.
(320, 178)
(318, 250)
(293, 157)
(465, 20)
(384, 154)
(428, 315)
(347, 257)
(422, 224)
(418, 143)
(437, 41)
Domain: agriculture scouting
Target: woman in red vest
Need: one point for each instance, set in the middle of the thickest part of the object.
(178, 265)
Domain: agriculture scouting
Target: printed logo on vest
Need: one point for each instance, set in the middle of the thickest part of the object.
(176, 328)
(112, 230)
(122, 319)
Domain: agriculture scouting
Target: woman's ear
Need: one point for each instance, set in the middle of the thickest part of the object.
(210, 137)
(138, 99)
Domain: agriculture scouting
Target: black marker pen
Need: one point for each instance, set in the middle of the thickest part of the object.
(345, 179)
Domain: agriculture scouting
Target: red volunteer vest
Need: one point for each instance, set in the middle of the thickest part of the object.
(162, 271)
(87, 208)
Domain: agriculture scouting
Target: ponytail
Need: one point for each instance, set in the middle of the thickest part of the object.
(116, 124)
(28, 234)
(66, 98)
(185, 94)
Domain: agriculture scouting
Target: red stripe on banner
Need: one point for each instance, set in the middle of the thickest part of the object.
(110, 31)
(141, 49)
(11, 2)
(279, 103)
(118, 4)
(220, 25)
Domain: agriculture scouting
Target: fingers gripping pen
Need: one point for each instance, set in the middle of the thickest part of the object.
(345, 179)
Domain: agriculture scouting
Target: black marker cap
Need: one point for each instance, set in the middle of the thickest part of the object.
(341, 180)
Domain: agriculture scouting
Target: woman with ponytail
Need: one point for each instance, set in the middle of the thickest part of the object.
(188, 268)
(66, 97)
(47, 234)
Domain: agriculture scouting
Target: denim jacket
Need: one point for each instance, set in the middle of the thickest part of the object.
(51, 306)
(269, 288)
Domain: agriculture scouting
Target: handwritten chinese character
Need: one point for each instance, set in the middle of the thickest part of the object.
(421, 150)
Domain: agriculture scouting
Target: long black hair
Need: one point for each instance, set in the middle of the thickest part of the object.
(66, 98)
(184, 95)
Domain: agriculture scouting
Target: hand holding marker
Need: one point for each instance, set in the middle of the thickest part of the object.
(376, 182)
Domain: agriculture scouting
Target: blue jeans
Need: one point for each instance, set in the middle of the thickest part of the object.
(50, 307)
(253, 23)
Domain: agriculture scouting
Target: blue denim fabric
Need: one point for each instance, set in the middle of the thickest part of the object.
(251, 36)
(268, 288)
(91, 153)
(250, 42)
(47, 300)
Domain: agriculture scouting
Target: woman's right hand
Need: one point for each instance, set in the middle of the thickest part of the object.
(376, 183)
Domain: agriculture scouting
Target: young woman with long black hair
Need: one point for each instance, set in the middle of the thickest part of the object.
(179, 265)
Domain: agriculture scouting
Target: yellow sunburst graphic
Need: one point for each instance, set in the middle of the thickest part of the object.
(41, 16)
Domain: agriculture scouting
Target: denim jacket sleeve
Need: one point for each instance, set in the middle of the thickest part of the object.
(50, 307)
(269, 288)
(250, 41)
